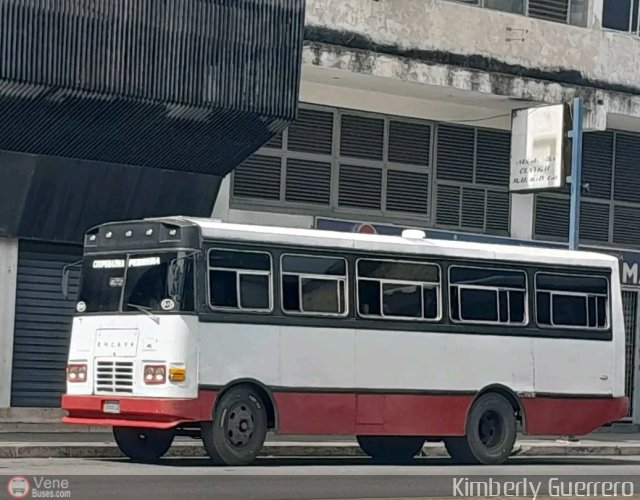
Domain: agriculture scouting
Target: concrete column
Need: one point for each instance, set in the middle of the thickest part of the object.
(221, 207)
(522, 216)
(8, 279)
(595, 14)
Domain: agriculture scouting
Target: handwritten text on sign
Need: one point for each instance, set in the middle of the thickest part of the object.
(537, 144)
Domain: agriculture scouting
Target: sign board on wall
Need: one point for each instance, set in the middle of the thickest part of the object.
(539, 148)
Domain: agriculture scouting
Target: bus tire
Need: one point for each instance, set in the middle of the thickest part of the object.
(391, 449)
(490, 433)
(239, 427)
(143, 445)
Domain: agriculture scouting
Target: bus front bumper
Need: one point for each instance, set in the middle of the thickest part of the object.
(128, 411)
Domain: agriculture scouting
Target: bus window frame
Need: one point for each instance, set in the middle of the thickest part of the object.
(508, 324)
(422, 284)
(325, 277)
(586, 296)
(238, 272)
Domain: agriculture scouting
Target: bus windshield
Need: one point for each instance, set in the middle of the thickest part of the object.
(134, 282)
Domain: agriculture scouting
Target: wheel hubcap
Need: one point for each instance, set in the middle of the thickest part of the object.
(239, 425)
(491, 429)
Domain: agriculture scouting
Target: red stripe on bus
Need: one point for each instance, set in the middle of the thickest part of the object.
(395, 414)
(551, 416)
(161, 413)
(315, 413)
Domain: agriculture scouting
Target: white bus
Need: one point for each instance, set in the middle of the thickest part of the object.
(226, 332)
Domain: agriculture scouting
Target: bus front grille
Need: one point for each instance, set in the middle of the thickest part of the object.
(114, 376)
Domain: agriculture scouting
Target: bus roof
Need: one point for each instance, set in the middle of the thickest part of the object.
(213, 229)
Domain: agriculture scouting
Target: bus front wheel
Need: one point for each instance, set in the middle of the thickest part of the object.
(143, 445)
(239, 427)
(490, 433)
(391, 449)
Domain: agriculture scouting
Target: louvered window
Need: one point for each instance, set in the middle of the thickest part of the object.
(350, 165)
(627, 173)
(258, 177)
(360, 187)
(448, 206)
(610, 179)
(497, 211)
(409, 143)
(564, 11)
(361, 137)
(493, 158)
(308, 181)
(626, 225)
(472, 169)
(551, 10)
(455, 153)
(552, 217)
(312, 132)
(597, 159)
(407, 192)
(594, 221)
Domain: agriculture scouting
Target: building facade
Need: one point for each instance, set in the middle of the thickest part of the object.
(405, 122)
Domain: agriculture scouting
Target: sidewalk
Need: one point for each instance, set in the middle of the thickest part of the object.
(99, 445)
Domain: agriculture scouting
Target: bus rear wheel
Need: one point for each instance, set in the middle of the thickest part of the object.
(490, 433)
(391, 449)
(239, 427)
(143, 445)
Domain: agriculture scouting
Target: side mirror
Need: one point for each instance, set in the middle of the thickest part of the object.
(66, 273)
(65, 282)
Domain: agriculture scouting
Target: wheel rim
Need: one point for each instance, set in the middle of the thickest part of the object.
(491, 429)
(239, 425)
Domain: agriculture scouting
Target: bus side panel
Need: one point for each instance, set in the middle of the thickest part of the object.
(442, 362)
(571, 416)
(372, 414)
(231, 351)
(574, 367)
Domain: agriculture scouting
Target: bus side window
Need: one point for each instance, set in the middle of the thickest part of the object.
(399, 290)
(573, 301)
(314, 285)
(483, 295)
(240, 280)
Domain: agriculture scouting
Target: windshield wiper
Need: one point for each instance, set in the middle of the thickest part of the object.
(145, 310)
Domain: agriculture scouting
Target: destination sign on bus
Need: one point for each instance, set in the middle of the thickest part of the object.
(119, 263)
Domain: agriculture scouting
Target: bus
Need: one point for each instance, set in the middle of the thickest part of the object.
(225, 332)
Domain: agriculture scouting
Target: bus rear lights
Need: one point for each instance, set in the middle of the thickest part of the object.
(155, 374)
(77, 372)
(177, 374)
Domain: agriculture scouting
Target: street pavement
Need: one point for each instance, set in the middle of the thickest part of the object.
(304, 479)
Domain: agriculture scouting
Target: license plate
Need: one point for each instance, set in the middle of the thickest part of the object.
(111, 407)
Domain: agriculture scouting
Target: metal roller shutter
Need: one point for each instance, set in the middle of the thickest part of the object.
(42, 324)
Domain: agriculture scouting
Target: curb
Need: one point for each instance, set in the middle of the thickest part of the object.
(108, 450)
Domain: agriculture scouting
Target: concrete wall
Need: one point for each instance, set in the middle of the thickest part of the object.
(509, 43)
(8, 277)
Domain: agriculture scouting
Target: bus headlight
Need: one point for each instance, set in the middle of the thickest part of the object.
(155, 374)
(77, 372)
(177, 374)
